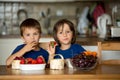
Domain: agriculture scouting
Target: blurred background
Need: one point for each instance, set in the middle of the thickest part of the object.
(47, 12)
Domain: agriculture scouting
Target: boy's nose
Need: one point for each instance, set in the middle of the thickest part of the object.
(64, 34)
(32, 37)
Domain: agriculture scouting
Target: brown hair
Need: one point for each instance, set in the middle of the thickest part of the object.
(30, 23)
(61, 23)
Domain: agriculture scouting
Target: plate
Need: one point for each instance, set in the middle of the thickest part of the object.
(32, 66)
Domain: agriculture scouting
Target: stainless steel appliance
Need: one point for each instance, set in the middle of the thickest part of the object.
(115, 32)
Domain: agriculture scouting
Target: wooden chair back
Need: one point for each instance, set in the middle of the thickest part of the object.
(108, 46)
(44, 45)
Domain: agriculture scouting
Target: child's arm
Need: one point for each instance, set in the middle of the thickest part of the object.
(26, 48)
(13, 56)
(51, 50)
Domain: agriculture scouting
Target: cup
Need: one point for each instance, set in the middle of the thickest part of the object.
(69, 63)
(16, 64)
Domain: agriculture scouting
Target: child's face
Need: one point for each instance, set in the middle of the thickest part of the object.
(30, 35)
(64, 34)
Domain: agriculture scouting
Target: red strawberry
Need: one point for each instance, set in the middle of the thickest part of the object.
(28, 60)
(34, 61)
(40, 60)
(22, 61)
(53, 43)
(17, 58)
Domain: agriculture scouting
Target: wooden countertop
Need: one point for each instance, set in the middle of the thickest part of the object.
(89, 41)
(81, 39)
(101, 72)
(18, 36)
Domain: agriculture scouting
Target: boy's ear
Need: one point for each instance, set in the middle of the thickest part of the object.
(39, 36)
(23, 39)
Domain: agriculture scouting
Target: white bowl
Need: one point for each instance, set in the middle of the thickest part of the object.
(32, 66)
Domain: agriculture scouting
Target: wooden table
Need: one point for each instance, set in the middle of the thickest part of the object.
(101, 72)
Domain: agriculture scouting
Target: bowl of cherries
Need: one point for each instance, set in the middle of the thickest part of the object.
(86, 60)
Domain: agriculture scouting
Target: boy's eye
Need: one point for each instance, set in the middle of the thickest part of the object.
(60, 32)
(27, 34)
(68, 31)
(35, 33)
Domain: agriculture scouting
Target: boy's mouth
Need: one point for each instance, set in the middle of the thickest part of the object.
(65, 39)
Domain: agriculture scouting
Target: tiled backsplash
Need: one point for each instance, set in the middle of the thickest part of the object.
(46, 13)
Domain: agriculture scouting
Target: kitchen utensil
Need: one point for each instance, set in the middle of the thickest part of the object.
(22, 15)
(4, 29)
(115, 31)
(114, 11)
(16, 64)
(47, 20)
(57, 63)
(69, 63)
(102, 23)
(83, 22)
(98, 11)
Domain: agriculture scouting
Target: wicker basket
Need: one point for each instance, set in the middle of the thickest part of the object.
(57, 63)
(16, 64)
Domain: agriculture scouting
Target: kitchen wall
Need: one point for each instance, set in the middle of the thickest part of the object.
(47, 13)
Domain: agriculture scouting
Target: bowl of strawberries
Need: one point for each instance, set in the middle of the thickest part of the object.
(31, 64)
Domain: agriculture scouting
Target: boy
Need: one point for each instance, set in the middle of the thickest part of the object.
(30, 31)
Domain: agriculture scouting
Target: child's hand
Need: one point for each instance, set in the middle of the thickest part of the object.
(30, 46)
(51, 48)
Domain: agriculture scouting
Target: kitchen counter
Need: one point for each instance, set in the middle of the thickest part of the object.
(18, 36)
(101, 72)
(89, 41)
(83, 40)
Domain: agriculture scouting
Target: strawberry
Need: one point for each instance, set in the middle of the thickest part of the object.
(22, 61)
(17, 58)
(34, 61)
(53, 43)
(40, 60)
(28, 60)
